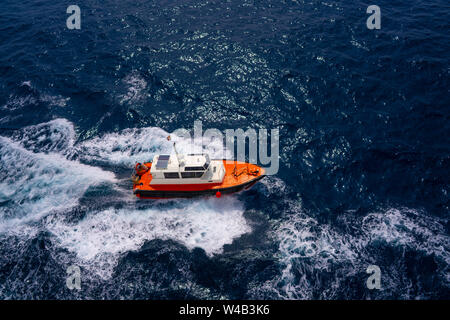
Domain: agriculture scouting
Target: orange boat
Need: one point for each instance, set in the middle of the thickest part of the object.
(174, 176)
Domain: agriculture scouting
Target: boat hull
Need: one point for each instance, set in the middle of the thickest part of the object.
(160, 194)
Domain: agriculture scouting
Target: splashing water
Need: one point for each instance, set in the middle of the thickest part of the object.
(46, 183)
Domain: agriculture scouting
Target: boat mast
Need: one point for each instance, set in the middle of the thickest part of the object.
(176, 152)
(174, 148)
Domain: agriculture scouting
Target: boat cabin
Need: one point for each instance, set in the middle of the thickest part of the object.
(186, 169)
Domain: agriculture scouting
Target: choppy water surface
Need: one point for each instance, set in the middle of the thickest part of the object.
(364, 149)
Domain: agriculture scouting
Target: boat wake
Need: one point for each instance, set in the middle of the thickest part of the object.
(47, 176)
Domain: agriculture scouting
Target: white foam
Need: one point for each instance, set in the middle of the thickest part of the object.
(136, 86)
(103, 237)
(40, 183)
(125, 147)
(411, 228)
(138, 145)
(54, 136)
(302, 237)
(274, 185)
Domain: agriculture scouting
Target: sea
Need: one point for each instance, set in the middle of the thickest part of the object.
(359, 206)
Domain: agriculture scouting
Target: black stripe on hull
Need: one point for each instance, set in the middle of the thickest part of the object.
(191, 194)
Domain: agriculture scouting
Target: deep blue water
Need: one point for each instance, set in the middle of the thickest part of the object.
(364, 148)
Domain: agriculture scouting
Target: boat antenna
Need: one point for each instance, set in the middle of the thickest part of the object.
(175, 149)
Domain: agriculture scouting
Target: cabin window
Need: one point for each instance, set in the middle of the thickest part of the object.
(194, 169)
(188, 174)
(191, 174)
(171, 175)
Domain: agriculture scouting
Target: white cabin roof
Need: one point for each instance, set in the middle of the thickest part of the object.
(166, 163)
